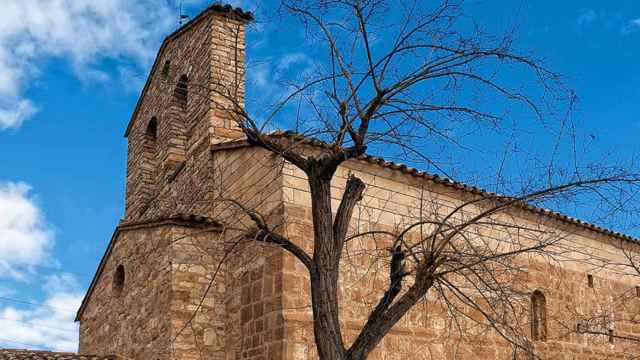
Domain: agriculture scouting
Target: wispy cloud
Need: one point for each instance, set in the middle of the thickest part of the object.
(268, 76)
(630, 26)
(82, 32)
(585, 18)
(14, 112)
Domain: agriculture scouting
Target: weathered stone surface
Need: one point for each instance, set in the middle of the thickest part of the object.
(196, 289)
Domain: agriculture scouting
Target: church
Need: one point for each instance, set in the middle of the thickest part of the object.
(166, 290)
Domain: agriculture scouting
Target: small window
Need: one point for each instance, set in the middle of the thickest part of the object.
(165, 69)
(152, 129)
(118, 278)
(538, 316)
(590, 280)
(611, 336)
(181, 92)
(638, 291)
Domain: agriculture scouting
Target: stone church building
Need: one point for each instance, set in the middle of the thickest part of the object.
(160, 291)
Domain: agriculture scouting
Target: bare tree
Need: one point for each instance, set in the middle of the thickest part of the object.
(396, 78)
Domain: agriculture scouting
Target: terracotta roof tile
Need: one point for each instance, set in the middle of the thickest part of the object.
(21, 354)
(230, 11)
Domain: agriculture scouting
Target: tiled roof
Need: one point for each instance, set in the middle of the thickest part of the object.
(20, 354)
(439, 180)
(176, 219)
(228, 10)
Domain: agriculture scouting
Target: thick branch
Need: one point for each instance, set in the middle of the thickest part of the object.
(386, 314)
(351, 196)
(265, 234)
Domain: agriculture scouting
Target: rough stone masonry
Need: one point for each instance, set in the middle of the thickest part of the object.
(160, 291)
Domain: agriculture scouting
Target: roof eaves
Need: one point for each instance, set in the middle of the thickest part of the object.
(24, 354)
(403, 168)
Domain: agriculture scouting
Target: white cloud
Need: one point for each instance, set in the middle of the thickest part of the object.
(83, 32)
(25, 243)
(25, 238)
(49, 325)
(586, 17)
(15, 112)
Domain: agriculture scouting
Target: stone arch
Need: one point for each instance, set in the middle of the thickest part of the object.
(538, 316)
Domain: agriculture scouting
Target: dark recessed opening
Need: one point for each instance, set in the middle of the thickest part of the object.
(538, 316)
(638, 291)
(152, 129)
(590, 280)
(181, 91)
(118, 278)
(611, 337)
(166, 68)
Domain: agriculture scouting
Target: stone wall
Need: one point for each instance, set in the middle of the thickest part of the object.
(197, 306)
(173, 270)
(393, 199)
(250, 178)
(193, 292)
(256, 305)
(173, 172)
(131, 321)
(226, 291)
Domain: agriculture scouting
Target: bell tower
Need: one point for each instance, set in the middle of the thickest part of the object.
(187, 103)
(156, 267)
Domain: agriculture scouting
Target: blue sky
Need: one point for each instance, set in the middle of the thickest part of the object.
(70, 74)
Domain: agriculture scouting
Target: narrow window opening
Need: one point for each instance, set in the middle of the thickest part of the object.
(181, 92)
(611, 337)
(177, 125)
(149, 162)
(165, 69)
(152, 129)
(538, 316)
(638, 291)
(590, 280)
(118, 278)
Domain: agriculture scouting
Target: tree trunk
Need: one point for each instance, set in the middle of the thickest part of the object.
(324, 272)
